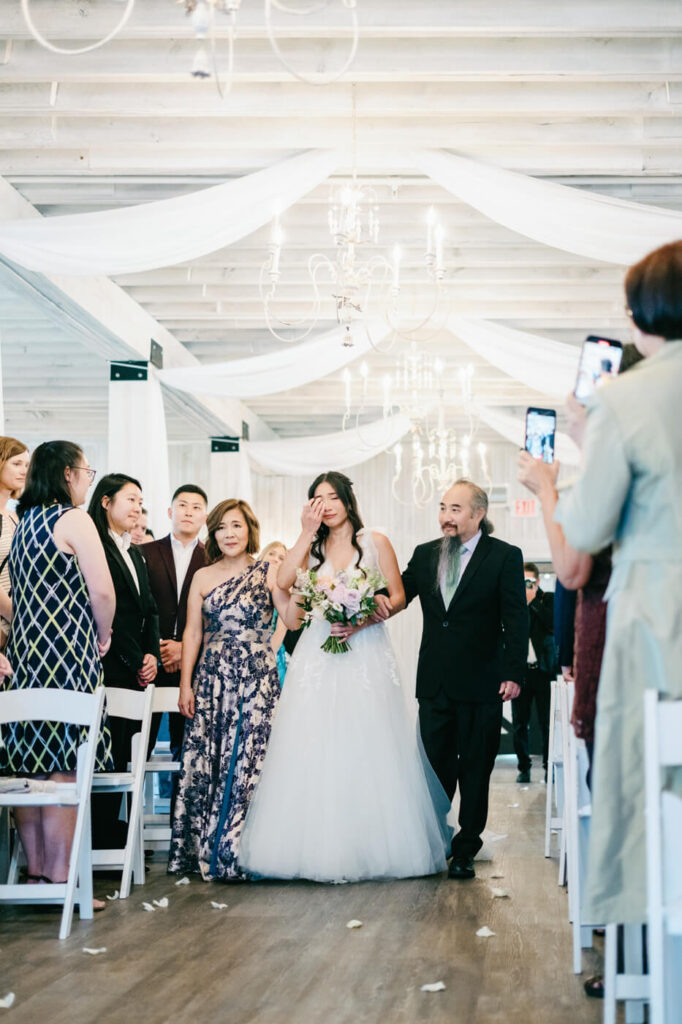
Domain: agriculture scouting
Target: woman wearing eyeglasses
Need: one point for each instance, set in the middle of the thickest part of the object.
(62, 609)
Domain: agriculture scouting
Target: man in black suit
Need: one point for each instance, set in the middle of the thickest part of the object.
(472, 655)
(171, 564)
(541, 668)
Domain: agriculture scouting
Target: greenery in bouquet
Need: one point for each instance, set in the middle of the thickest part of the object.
(347, 597)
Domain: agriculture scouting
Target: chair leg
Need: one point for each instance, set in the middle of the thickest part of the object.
(133, 860)
(633, 963)
(610, 956)
(85, 889)
(548, 807)
(85, 905)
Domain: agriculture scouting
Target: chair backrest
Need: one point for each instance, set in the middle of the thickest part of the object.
(49, 705)
(131, 704)
(165, 699)
(668, 728)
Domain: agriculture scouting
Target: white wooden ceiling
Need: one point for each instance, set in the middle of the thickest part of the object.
(584, 93)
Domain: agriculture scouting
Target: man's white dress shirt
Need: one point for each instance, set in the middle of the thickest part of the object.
(182, 556)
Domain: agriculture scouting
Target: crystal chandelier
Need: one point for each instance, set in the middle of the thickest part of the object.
(353, 222)
(354, 274)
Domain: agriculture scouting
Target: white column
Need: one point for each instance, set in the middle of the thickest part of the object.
(230, 472)
(137, 442)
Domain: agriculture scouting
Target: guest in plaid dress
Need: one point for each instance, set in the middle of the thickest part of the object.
(63, 607)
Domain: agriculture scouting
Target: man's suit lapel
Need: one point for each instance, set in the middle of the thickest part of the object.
(166, 552)
(480, 554)
(197, 561)
(125, 571)
(435, 582)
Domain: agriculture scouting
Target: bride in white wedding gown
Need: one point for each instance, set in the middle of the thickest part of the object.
(346, 792)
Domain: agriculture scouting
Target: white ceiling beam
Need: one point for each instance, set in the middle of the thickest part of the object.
(625, 59)
(68, 19)
(294, 99)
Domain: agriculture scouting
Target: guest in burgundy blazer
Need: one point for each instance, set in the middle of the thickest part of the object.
(171, 564)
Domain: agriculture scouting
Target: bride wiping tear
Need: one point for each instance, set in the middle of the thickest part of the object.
(345, 793)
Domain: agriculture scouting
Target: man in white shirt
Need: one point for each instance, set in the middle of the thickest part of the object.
(172, 562)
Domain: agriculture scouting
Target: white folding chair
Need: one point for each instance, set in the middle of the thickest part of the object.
(578, 814)
(157, 827)
(82, 709)
(564, 702)
(135, 706)
(663, 750)
(555, 773)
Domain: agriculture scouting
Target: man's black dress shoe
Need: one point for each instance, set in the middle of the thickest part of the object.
(461, 867)
(523, 776)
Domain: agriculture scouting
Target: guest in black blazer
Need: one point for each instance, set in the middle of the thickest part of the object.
(171, 564)
(131, 661)
(472, 655)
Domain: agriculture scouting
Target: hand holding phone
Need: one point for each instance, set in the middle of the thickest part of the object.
(540, 433)
(599, 362)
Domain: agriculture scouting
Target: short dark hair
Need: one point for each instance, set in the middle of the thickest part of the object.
(45, 480)
(108, 486)
(653, 288)
(215, 517)
(190, 489)
(532, 568)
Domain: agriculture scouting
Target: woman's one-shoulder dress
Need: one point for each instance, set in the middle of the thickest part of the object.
(236, 691)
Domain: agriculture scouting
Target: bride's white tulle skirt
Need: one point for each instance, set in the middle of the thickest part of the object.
(346, 792)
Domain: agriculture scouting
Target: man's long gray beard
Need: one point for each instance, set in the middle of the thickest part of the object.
(448, 557)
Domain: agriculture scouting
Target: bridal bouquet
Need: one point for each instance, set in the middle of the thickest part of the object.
(348, 597)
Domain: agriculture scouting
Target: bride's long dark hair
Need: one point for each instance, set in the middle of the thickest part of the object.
(343, 488)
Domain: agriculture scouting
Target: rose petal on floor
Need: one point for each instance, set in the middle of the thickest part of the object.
(512, 805)
(499, 894)
(218, 906)
(115, 896)
(183, 881)
(7, 1001)
(94, 952)
(163, 902)
(147, 906)
(434, 986)
(354, 924)
(485, 932)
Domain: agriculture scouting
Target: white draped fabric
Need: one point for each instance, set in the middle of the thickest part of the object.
(282, 370)
(541, 363)
(167, 231)
(513, 428)
(138, 444)
(596, 226)
(306, 456)
(229, 477)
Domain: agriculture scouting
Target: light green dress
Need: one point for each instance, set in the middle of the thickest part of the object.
(630, 493)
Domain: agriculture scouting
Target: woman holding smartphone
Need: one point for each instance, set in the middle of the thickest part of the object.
(630, 494)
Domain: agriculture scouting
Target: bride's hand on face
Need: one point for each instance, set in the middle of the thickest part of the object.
(312, 513)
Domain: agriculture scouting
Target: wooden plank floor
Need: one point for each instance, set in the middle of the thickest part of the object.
(281, 953)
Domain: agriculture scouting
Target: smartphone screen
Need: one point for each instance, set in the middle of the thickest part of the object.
(599, 362)
(540, 433)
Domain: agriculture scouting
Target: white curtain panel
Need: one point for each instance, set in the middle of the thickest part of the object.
(514, 429)
(596, 226)
(306, 456)
(138, 444)
(282, 370)
(165, 232)
(541, 363)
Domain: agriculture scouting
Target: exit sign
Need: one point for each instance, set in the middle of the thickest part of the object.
(525, 508)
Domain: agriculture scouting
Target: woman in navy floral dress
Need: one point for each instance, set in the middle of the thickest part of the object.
(232, 696)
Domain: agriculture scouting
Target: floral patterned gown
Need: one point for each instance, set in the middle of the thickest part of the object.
(236, 688)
